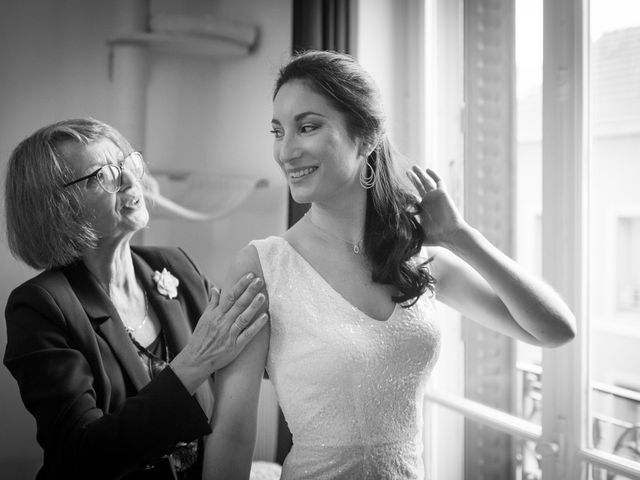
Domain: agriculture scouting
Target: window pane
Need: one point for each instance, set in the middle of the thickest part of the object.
(597, 473)
(614, 236)
(503, 199)
(510, 458)
(627, 230)
(503, 188)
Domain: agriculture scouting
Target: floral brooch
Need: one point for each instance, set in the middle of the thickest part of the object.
(166, 283)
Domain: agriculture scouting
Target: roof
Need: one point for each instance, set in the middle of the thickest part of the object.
(614, 84)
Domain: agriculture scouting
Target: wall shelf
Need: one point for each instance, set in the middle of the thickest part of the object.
(181, 44)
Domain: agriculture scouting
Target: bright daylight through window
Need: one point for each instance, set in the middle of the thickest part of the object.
(583, 119)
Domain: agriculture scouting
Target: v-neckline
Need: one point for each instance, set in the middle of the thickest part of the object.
(332, 288)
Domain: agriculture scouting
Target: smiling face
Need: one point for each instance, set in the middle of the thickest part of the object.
(312, 145)
(114, 216)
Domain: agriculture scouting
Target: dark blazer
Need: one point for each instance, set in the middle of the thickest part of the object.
(98, 414)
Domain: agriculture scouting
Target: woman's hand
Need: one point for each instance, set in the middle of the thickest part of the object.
(440, 218)
(226, 326)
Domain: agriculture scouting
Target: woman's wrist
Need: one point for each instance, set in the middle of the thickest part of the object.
(461, 239)
(190, 373)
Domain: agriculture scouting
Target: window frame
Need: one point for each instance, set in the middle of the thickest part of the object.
(563, 439)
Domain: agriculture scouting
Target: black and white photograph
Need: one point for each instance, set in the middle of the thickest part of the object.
(320, 239)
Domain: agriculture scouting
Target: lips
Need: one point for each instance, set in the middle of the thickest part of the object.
(300, 173)
(131, 202)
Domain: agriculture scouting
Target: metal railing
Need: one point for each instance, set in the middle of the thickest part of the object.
(611, 432)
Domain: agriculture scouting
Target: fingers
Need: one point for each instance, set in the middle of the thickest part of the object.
(214, 296)
(245, 310)
(251, 331)
(417, 183)
(424, 181)
(247, 298)
(435, 177)
(428, 183)
(228, 299)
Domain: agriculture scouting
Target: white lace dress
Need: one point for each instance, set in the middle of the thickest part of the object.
(350, 387)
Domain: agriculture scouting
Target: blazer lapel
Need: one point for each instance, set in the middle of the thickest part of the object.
(107, 322)
(169, 310)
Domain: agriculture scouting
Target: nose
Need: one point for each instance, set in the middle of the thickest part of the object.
(127, 178)
(286, 149)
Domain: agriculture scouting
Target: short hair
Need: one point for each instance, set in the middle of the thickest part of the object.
(393, 235)
(46, 223)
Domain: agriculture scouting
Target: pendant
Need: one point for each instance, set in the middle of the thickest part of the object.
(356, 249)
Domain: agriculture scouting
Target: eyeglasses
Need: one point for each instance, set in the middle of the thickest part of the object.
(110, 176)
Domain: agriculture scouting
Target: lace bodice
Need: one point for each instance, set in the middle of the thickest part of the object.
(350, 386)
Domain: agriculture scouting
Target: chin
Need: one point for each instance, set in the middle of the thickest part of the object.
(300, 198)
(302, 195)
(134, 225)
(142, 223)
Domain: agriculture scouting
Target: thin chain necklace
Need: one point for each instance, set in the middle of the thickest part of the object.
(131, 330)
(356, 246)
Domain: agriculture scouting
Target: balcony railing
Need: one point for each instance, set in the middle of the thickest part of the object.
(615, 424)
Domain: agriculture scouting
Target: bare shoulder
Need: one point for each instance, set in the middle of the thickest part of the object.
(244, 262)
(247, 260)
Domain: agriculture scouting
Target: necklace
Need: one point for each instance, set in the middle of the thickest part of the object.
(132, 330)
(356, 246)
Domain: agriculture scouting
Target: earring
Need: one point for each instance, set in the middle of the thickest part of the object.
(367, 180)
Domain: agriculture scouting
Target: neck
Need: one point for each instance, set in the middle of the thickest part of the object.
(112, 266)
(347, 223)
(345, 211)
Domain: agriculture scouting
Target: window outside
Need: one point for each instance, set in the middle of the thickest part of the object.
(614, 229)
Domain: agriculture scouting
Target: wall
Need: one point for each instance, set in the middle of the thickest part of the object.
(227, 135)
(390, 46)
(211, 116)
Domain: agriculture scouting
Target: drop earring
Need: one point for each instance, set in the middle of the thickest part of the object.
(367, 175)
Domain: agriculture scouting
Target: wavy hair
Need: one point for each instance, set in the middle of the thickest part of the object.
(393, 236)
(46, 223)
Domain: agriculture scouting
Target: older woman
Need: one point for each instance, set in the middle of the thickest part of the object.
(90, 337)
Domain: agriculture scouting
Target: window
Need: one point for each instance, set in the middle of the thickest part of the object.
(614, 234)
(548, 100)
(627, 253)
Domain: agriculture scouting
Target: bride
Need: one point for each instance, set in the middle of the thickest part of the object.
(351, 290)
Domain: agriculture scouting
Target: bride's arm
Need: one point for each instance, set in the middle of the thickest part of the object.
(486, 286)
(229, 448)
(480, 281)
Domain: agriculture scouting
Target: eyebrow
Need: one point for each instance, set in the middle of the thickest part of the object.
(97, 166)
(300, 116)
(91, 169)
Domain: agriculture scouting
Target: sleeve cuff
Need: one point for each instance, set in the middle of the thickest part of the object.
(180, 412)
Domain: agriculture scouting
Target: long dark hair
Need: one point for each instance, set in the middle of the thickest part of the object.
(393, 236)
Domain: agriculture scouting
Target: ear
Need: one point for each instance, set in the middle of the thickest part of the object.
(366, 147)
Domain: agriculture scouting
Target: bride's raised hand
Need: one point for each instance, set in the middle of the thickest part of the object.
(440, 218)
